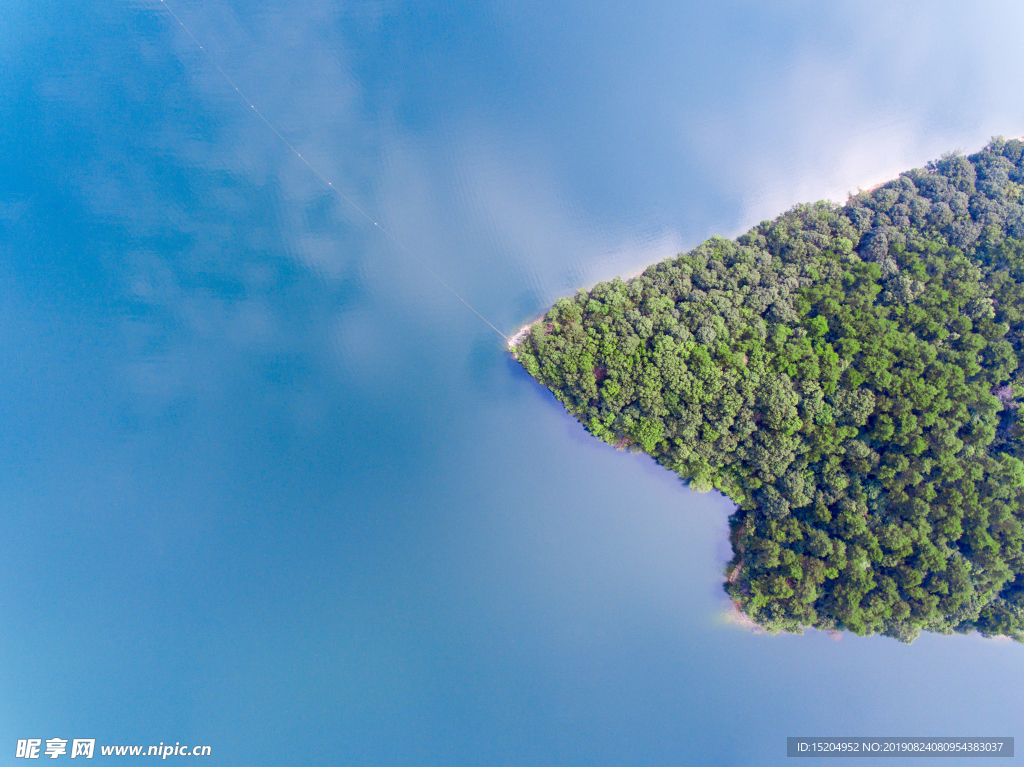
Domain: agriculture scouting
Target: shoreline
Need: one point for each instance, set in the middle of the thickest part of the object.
(514, 340)
(522, 333)
(733, 616)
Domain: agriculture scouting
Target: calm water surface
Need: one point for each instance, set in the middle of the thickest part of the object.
(267, 486)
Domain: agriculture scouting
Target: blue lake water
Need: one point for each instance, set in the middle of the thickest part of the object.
(266, 485)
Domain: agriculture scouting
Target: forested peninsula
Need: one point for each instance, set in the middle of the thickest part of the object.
(850, 376)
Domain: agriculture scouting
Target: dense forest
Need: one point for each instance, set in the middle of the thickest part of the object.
(849, 376)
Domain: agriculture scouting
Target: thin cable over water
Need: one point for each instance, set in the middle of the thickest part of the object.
(323, 178)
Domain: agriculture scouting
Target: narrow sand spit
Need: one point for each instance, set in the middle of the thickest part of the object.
(519, 336)
(736, 618)
(524, 331)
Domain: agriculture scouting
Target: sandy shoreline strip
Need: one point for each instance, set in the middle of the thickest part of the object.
(522, 333)
(525, 329)
(732, 615)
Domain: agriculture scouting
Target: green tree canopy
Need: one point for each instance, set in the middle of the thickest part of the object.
(848, 375)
